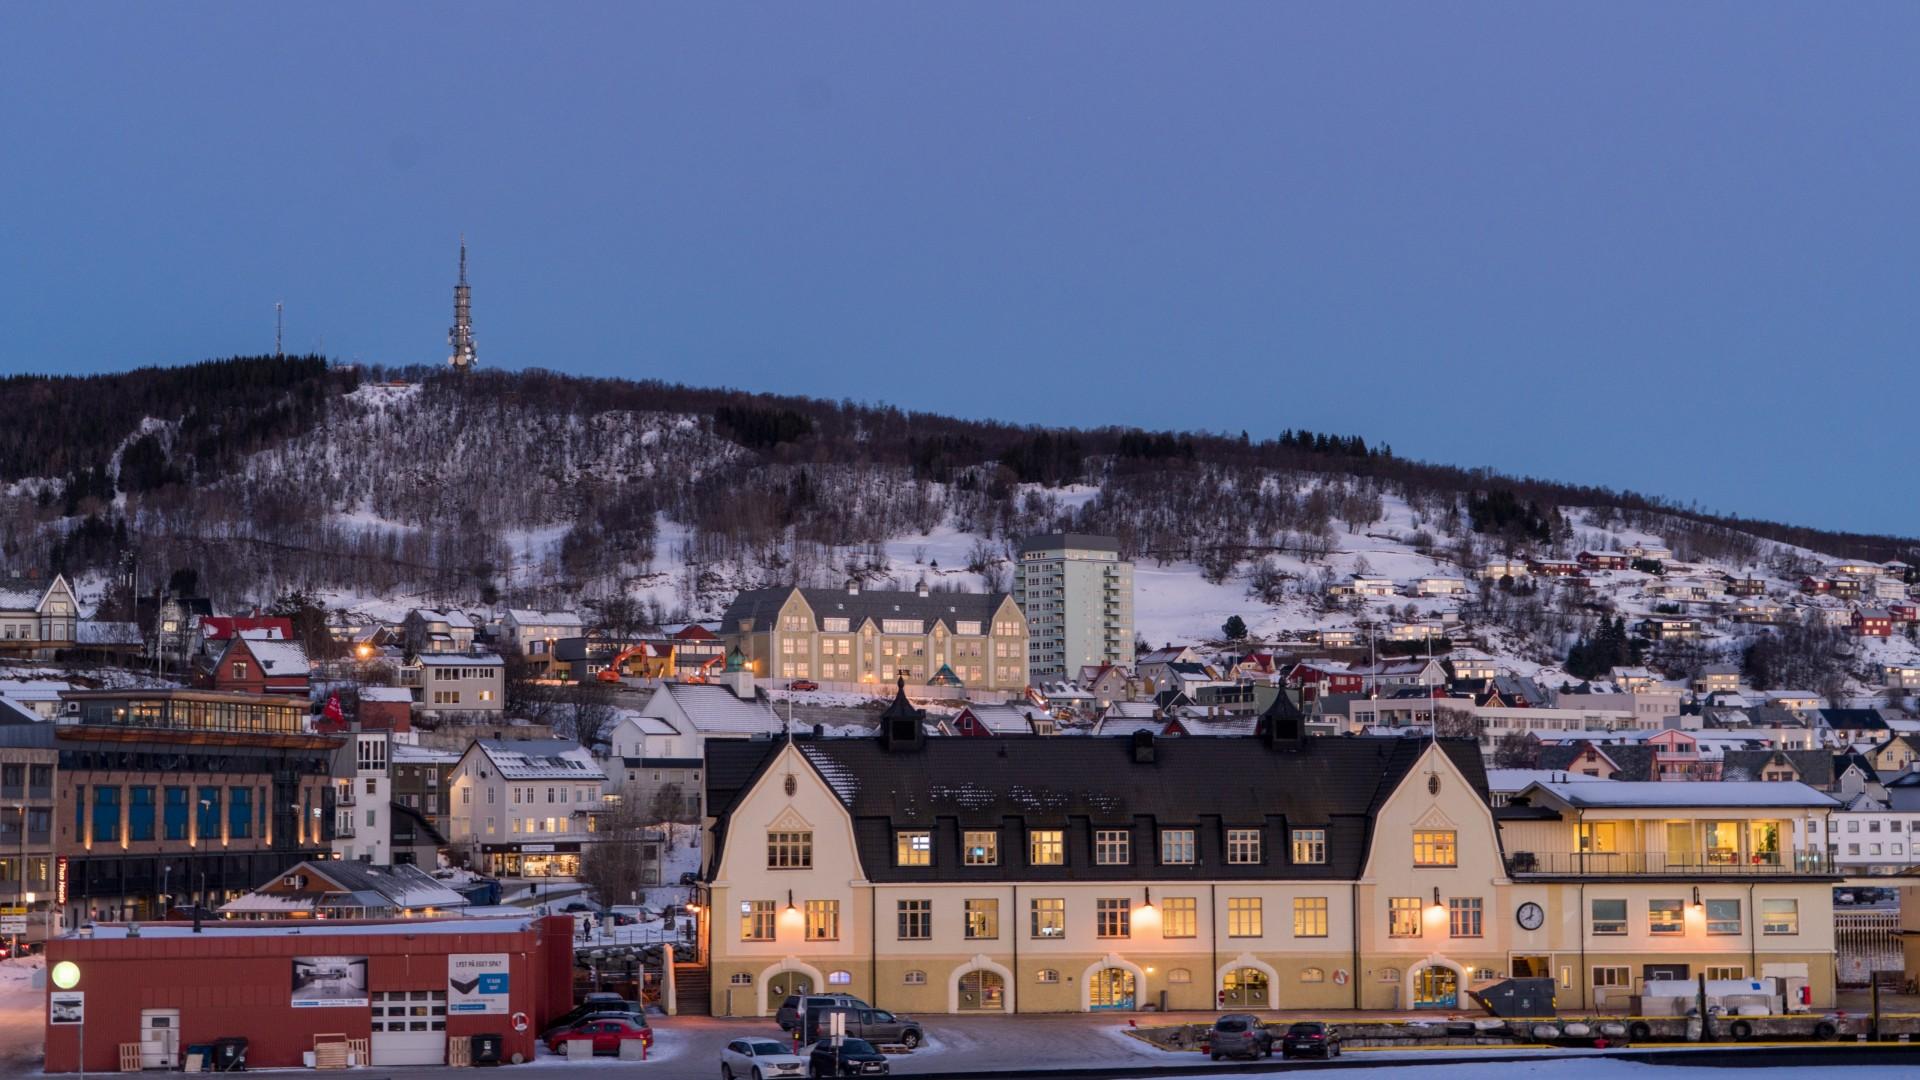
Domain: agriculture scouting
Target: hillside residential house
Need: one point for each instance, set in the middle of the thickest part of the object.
(1900, 676)
(1717, 678)
(1077, 594)
(532, 633)
(983, 721)
(450, 684)
(1471, 664)
(855, 636)
(1341, 874)
(1368, 585)
(1669, 627)
(37, 616)
(1107, 683)
(1872, 622)
(428, 631)
(1604, 560)
(1495, 569)
(525, 808)
(256, 666)
(1439, 585)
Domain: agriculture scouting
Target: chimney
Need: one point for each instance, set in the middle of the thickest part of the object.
(1144, 751)
(853, 586)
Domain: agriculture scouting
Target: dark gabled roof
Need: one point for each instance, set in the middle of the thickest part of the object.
(1014, 783)
(1814, 766)
(1634, 761)
(1854, 719)
(761, 605)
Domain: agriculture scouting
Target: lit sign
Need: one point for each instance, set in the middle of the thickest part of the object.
(60, 881)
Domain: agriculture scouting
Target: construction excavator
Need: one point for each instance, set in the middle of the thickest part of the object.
(611, 673)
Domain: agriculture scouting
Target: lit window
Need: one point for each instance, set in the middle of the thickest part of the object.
(1243, 916)
(823, 920)
(914, 847)
(983, 920)
(1309, 916)
(1403, 916)
(982, 848)
(1049, 917)
(1113, 917)
(1612, 976)
(1434, 847)
(756, 920)
(1177, 917)
(1046, 847)
(1666, 917)
(1047, 975)
(1309, 845)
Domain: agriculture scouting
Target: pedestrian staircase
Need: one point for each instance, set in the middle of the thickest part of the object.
(693, 990)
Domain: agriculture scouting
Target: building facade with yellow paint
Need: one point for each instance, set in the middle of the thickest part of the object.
(1057, 874)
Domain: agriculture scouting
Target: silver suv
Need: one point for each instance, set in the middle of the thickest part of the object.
(794, 1009)
(1239, 1035)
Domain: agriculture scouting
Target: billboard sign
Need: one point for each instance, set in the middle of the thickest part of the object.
(478, 983)
(321, 982)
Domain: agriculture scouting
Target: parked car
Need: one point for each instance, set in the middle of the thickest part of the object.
(621, 918)
(596, 1010)
(1240, 1035)
(1310, 1038)
(789, 1013)
(759, 1059)
(577, 905)
(873, 1025)
(803, 684)
(606, 1033)
(848, 1057)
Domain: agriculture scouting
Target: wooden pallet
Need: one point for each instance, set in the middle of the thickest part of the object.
(330, 1050)
(460, 1053)
(130, 1057)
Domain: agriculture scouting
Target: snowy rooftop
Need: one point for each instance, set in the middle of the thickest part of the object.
(329, 928)
(281, 659)
(715, 709)
(386, 693)
(1511, 780)
(1657, 794)
(540, 759)
(460, 660)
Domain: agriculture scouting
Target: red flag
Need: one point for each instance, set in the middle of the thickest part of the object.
(333, 711)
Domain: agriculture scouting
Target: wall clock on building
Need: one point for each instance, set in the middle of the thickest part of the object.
(1530, 916)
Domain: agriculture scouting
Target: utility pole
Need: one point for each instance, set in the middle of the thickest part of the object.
(279, 327)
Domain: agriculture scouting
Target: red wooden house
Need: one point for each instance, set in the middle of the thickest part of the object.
(252, 666)
(1872, 622)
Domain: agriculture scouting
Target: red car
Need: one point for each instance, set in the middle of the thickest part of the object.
(606, 1033)
(803, 684)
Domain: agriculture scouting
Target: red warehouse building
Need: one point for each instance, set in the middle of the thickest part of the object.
(406, 987)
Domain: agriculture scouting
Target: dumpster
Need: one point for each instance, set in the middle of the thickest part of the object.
(1517, 997)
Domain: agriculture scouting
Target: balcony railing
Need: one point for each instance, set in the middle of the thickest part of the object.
(1539, 864)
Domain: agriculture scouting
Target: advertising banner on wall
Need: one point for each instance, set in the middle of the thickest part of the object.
(329, 981)
(477, 983)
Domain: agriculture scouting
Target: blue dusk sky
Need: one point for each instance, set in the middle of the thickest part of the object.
(1667, 247)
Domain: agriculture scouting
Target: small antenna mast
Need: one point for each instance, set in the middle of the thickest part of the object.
(279, 328)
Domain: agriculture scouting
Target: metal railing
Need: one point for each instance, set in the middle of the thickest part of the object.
(1665, 863)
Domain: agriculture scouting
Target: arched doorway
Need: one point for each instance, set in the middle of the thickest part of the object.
(982, 991)
(1111, 988)
(788, 982)
(788, 976)
(1434, 986)
(1246, 988)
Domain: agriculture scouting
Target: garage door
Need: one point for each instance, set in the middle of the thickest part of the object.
(410, 1027)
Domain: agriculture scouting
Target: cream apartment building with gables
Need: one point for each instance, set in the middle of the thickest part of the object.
(855, 636)
(1269, 872)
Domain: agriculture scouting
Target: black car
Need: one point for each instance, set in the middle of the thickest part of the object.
(618, 1007)
(850, 1057)
(1310, 1038)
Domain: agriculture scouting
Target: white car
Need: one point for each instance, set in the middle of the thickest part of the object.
(760, 1059)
